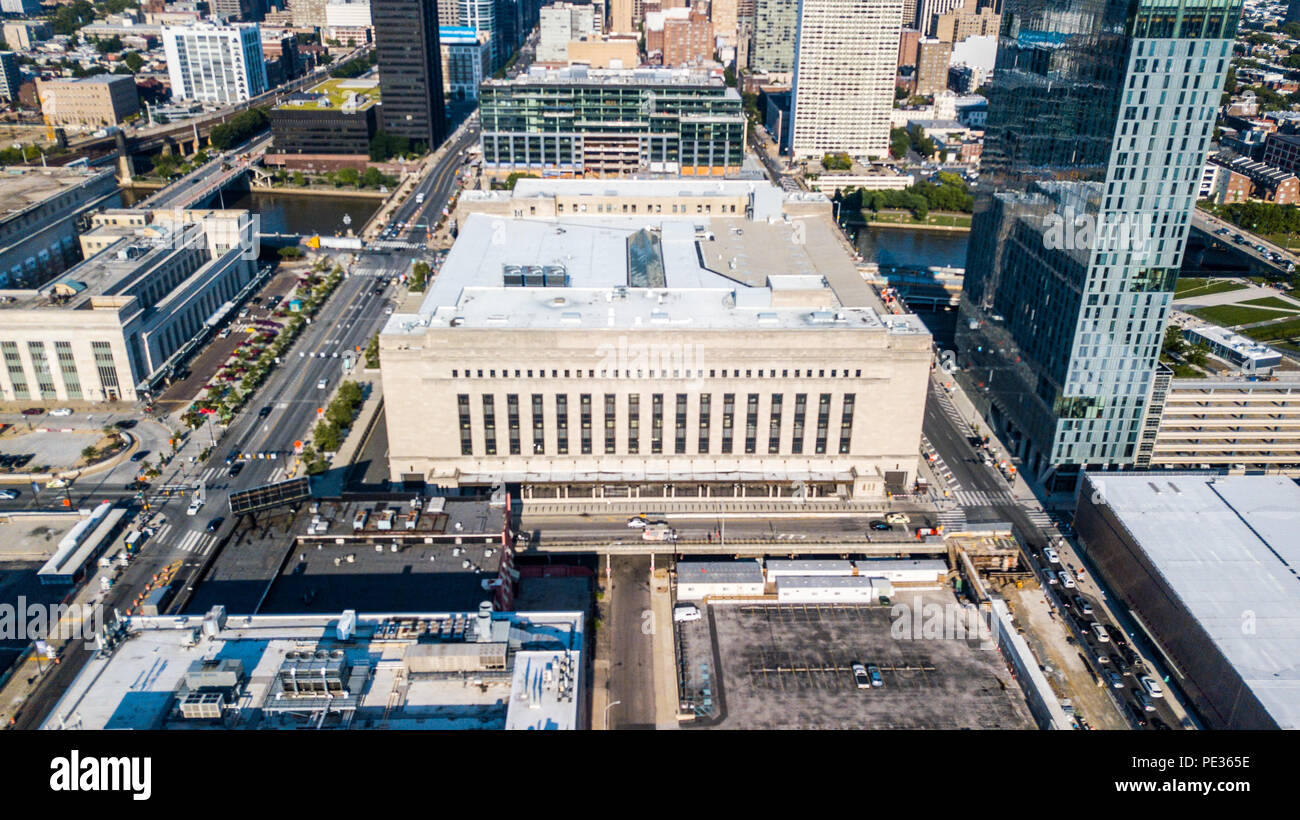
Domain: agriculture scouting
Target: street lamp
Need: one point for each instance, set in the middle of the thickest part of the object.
(607, 708)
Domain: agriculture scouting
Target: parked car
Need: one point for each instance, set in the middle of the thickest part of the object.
(61, 411)
(1066, 580)
(860, 676)
(1100, 631)
(874, 672)
(1051, 555)
(1114, 679)
(33, 411)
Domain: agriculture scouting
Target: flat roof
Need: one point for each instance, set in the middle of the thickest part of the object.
(582, 75)
(719, 273)
(808, 566)
(824, 582)
(720, 572)
(135, 684)
(334, 95)
(1245, 556)
(21, 188)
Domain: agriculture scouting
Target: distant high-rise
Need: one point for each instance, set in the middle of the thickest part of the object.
(215, 64)
(1100, 117)
(775, 22)
(11, 77)
(846, 60)
(410, 69)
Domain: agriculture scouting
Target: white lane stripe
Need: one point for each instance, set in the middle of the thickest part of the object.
(188, 542)
(162, 532)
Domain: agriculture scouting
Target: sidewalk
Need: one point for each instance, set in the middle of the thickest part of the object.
(665, 656)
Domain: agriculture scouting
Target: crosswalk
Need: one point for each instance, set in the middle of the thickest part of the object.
(950, 410)
(1040, 519)
(953, 520)
(196, 542)
(983, 498)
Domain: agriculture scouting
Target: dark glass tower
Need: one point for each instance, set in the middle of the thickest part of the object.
(1101, 113)
(410, 69)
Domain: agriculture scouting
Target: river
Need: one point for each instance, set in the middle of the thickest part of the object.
(909, 248)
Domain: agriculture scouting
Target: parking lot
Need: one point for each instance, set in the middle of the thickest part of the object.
(789, 667)
(56, 451)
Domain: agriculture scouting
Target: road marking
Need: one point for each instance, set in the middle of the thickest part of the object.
(162, 532)
(189, 541)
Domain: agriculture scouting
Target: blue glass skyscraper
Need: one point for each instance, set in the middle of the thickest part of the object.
(1100, 117)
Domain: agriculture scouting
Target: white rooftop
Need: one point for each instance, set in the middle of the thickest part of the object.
(1245, 557)
(134, 686)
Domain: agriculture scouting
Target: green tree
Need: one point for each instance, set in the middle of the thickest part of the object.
(348, 176)
(109, 45)
(899, 142)
(290, 252)
(372, 352)
(298, 179)
(419, 276)
(89, 453)
(326, 437)
(133, 60)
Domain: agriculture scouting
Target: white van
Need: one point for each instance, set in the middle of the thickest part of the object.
(686, 612)
(1100, 632)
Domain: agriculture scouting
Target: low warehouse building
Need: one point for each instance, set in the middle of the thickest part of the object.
(1221, 605)
(920, 573)
(698, 580)
(779, 568)
(838, 589)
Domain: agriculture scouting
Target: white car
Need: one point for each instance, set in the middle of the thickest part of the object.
(1066, 580)
(639, 522)
(1100, 632)
(61, 411)
(860, 676)
(1153, 689)
(1050, 555)
(897, 518)
(195, 506)
(8, 495)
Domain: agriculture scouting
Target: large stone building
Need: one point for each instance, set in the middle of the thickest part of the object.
(43, 209)
(104, 99)
(650, 339)
(111, 326)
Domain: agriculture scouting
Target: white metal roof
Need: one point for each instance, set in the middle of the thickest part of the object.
(1227, 546)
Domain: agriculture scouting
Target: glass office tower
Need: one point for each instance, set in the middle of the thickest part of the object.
(1100, 116)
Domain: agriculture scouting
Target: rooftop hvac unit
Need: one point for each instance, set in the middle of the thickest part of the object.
(534, 276)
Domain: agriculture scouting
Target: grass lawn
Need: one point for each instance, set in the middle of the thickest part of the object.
(1272, 302)
(1187, 288)
(952, 220)
(1230, 315)
(1281, 330)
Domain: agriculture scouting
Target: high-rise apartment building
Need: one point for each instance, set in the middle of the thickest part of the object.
(973, 18)
(215, 64)
(11, 76)
(308, 13)
(927, 10)
(845, 65)
(410, 69)
(775, 24)
(1100, 118)
(724, 14)
(932, 56)
(560, 23)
